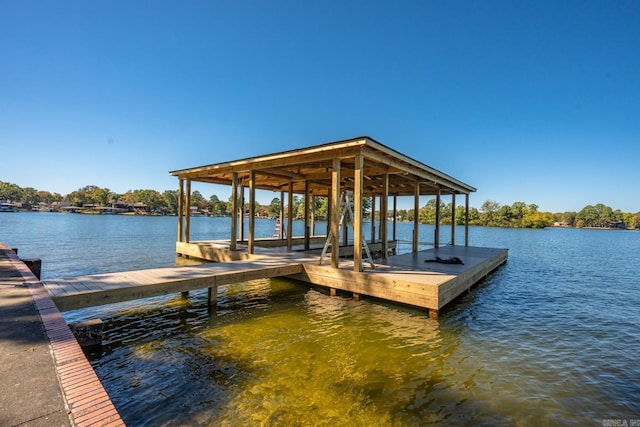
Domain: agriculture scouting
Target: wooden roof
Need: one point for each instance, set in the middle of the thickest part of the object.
(314, 164)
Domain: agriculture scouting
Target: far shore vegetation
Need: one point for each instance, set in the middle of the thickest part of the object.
(92, 199)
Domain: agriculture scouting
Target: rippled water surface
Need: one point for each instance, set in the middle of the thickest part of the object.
(551, 338)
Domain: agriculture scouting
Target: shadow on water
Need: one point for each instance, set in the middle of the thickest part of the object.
(279, 353)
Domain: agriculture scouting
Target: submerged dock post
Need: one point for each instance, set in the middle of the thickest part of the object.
(89, 333)
(213, 295)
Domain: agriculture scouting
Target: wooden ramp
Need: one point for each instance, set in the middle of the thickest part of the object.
(86, 291)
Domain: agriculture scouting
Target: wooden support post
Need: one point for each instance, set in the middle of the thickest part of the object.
(384, 200)
(184, 294)
(213, 295)
(281, 216)
(332, 292)
(416, 211)
(380, 220)
(252, 211)
(233, 245)
(335, 213)
(466, 220)
(357, 220)
(312, 215)
(436, 238)
(453, 219)
(395, 216)
(328, 231)
(180, 209)
(373, 219)
(356, 296)
(307, 230)
(433, 313)
(187, 228)
(345, 230)
(290, 218)
(241, 212)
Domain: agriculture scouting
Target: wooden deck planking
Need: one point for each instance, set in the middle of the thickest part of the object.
(57, 288)
(86, 291)
(378, 283)
(405, 278)
(408, 279)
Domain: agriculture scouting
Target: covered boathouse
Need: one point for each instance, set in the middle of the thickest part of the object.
(352, 169)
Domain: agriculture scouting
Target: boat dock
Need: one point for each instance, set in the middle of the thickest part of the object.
(407, 279)
(349, 175)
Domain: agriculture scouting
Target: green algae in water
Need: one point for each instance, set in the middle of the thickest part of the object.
(281, 353)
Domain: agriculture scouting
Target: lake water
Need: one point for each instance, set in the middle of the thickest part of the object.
(551, 338)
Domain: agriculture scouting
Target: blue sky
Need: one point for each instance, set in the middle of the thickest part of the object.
(533, 101)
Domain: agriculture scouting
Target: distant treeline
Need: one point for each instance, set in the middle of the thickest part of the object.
(491, 213)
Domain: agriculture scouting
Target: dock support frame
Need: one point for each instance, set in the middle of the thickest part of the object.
(212, 296)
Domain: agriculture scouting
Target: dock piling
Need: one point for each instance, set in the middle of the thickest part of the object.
(213, 296)
(89, 333)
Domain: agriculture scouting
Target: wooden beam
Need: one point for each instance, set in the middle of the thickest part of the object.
(416, 209)
(281, 216)
(395, 160)
(335, 213)
(312, 216)
(234, 213)
(328, 230)
(290, 218)
(242, 238)
(307, 229)
(466, 220)
(252, 212)
(281, 174)
(453, 219)
(395, 216)
(187, 229)
(180, 209)
(384, 200)
(213, 295)
(320, 182)
(373, 219)
(357, 220)
(277, 160)
(436, 238)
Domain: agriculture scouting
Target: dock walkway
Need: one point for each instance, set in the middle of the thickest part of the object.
(86, 291)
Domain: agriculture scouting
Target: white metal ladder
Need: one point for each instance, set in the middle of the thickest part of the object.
(276, 229)
(345, 208)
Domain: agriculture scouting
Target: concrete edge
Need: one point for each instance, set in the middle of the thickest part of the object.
(85, 399)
